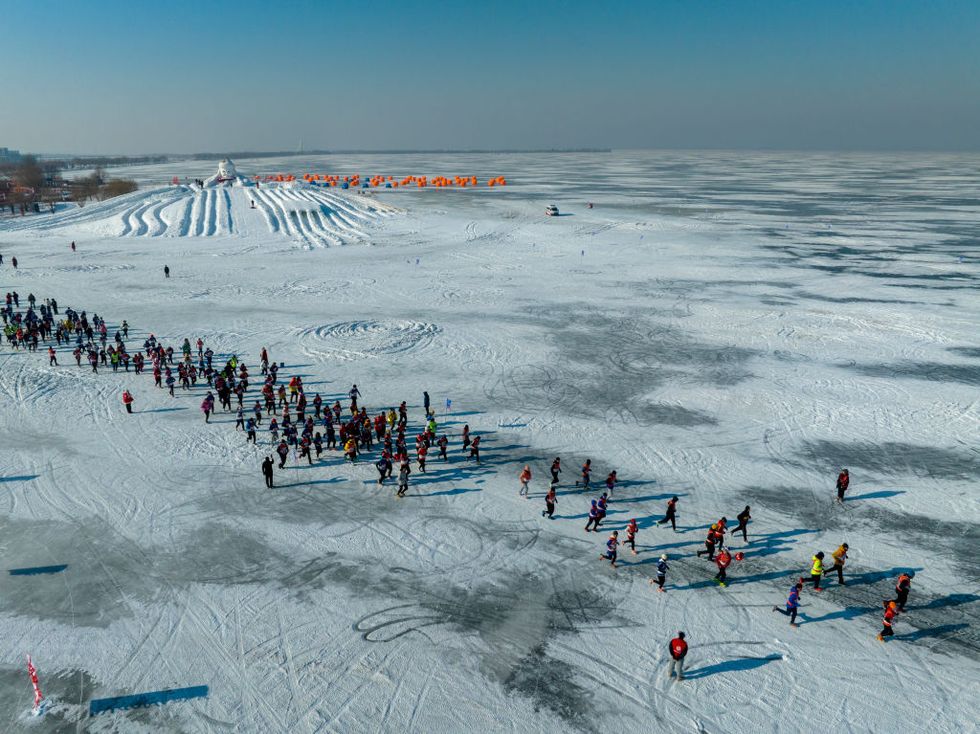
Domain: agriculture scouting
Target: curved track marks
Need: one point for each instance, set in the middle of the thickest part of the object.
(310, 216)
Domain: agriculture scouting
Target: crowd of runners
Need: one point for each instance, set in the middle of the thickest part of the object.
(279, 412)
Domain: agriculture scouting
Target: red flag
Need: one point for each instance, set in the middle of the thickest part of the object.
(32, 671)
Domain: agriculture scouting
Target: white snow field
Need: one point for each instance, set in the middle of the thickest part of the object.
(729, 328)
(309, 215)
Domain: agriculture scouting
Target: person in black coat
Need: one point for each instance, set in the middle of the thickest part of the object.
(267, 471)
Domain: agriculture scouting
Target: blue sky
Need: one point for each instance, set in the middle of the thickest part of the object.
(127, 77)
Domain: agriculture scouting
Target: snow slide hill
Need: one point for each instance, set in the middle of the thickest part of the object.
(312, 216)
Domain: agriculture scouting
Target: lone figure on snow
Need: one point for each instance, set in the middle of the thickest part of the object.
(267, 471)
(843, 480)
(678, 651)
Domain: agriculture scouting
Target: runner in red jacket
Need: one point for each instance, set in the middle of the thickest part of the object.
(843, 480)
(723, 561)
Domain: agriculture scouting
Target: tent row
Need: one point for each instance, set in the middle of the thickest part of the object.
(388, 182)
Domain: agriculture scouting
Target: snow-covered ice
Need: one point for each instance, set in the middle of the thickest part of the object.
(730, 328)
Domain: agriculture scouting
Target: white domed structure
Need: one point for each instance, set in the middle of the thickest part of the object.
(226, 171)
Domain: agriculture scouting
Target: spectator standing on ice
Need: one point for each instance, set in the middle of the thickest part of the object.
(678, 651)
(555, 470)
(843, 480)
(166, 271)
(425, 400)
(267, 471)
(525, 478)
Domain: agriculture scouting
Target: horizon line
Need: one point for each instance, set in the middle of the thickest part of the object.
(491, 151)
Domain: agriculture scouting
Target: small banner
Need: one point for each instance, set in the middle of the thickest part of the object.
(32, 671)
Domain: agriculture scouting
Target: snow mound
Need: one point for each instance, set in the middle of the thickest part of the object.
(311, 216)
(348, 341)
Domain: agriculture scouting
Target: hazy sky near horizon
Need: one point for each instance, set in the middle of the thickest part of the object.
(139, 76)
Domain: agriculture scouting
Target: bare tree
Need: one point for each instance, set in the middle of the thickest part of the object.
(87, 186)
(29, 173)
(117, 187)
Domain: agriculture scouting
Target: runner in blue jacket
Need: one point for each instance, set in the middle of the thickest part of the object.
(792, 604)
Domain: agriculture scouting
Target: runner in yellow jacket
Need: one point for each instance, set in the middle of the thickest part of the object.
(816, 571)
(840, 558)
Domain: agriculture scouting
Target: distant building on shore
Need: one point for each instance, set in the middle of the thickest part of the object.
(10, 156)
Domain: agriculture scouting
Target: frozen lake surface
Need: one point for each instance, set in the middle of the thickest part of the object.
(729, 328)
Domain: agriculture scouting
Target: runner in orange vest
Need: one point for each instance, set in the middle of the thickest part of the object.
(631, 530)
(891, 611)
(902, 589)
